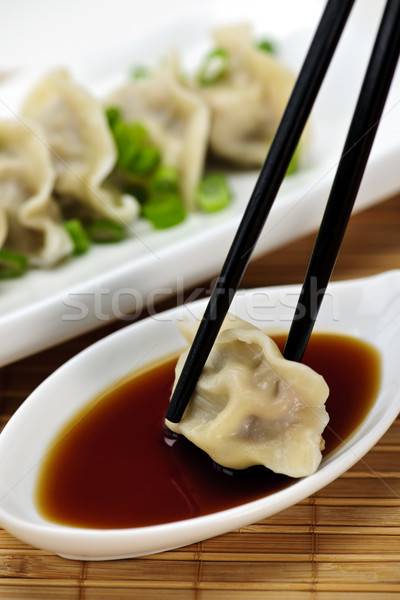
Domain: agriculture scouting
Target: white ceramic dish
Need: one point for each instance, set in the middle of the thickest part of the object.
(47, 307)
(366, 308)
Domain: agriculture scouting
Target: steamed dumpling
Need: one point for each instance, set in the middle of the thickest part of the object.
(176, 118)
(81, 144)
(253, 407)
(248, 102)
(29, 217)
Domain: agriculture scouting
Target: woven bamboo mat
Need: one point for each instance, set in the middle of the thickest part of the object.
(341, 543)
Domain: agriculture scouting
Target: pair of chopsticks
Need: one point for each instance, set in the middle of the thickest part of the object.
(357, 147)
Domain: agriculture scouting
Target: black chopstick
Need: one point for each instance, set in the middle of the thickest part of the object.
(306, 88)
(357, 147)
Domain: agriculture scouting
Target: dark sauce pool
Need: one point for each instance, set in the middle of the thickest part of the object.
(115, 466)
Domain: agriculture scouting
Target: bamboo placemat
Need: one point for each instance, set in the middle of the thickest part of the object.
(341, 543)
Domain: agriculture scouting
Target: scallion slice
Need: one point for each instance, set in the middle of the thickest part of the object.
(215, 66)
(78, 236)
(129, 137)
(140, 72)
(104, 231)
(294, 163)
(12, 265)
(145, 161)
(136, 155)
(164, 211)
(266, 46)
(213, 193)
(113, 115)
(165, 180)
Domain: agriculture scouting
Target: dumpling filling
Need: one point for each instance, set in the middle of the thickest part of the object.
(252, 407)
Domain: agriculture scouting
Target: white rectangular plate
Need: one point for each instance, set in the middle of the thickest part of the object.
(103, 40)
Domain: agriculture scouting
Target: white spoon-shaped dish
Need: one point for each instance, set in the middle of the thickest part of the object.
(366, 308)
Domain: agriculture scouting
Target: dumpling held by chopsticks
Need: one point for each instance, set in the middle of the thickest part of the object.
(253, 407)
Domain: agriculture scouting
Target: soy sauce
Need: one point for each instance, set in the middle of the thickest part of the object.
(115, 466)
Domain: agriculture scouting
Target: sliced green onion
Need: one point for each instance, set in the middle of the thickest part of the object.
(213, 193)
(215, 66)
(164, 211)
(128, 138)
(113, 115)
(164, 180)
(140, 72)
(146, 160)
(294, 163)
(266, 46)
(78, 236)
(105, 231)
(136, 155)
(12, 265)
